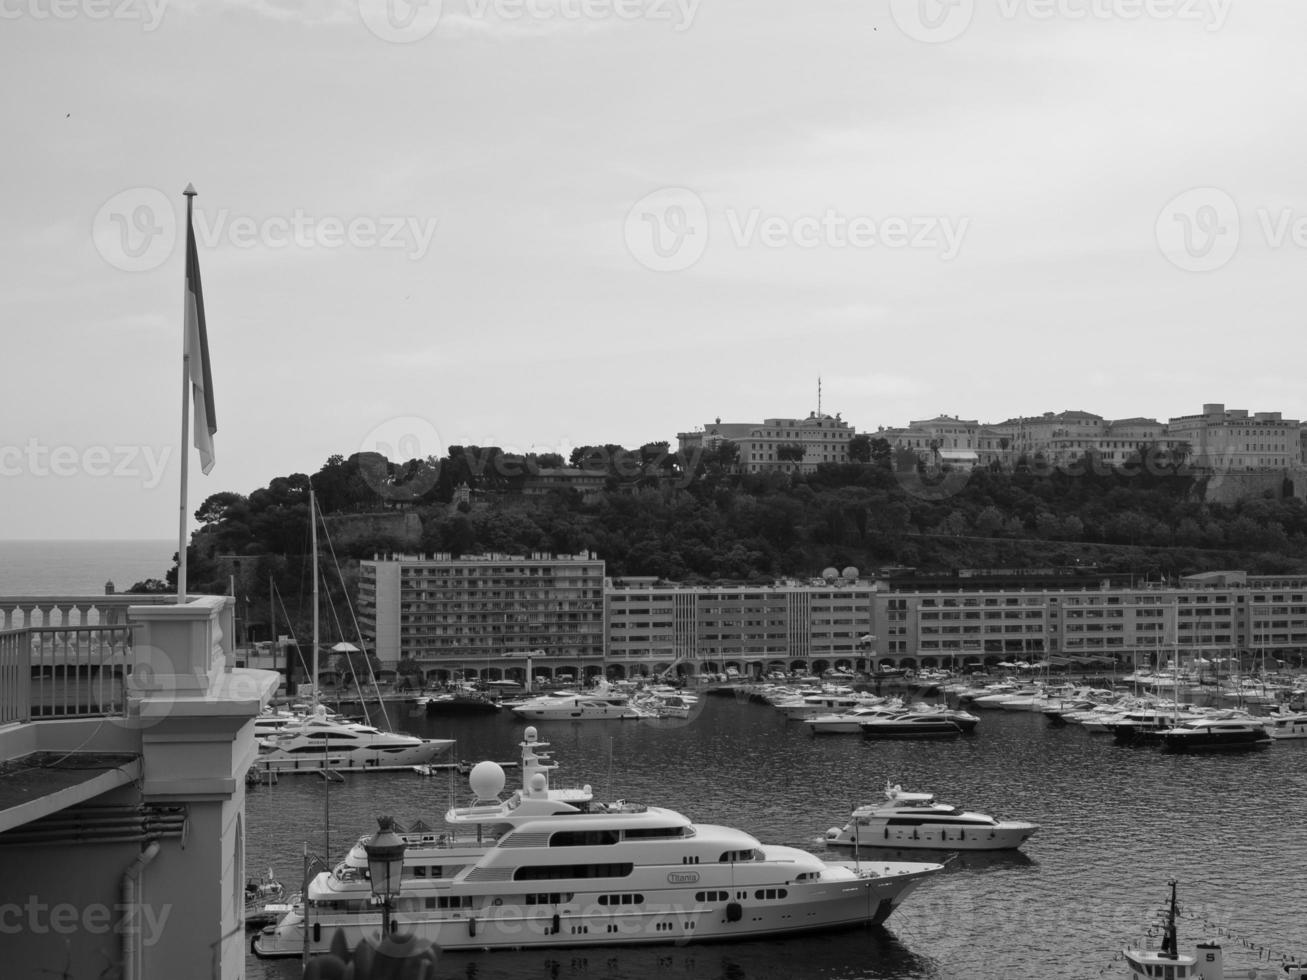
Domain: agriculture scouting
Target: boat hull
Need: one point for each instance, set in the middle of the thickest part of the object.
(943, 729)
(938, 838)
(1224, 742)
(669, 916)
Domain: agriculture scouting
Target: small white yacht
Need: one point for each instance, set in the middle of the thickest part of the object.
(567, 706)
(916, 820)
(555, 868)
(1286, 724)
(850, 722)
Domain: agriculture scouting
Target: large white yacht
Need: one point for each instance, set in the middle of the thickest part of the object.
(554, 867)
(320, 742)
(916, 820)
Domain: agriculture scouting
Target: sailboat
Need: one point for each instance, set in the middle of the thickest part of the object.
(322, 743)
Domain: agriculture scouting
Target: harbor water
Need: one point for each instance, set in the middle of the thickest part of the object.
(1116, 824)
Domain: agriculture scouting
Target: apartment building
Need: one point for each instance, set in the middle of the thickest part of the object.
(1213, 617)
(755, 629)
(468, 614)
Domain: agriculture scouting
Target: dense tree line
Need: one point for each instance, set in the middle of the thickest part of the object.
(694, 518)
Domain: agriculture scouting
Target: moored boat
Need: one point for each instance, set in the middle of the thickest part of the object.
(549, 867)
(1215, 735)
(1287, 724)
(914, 724)
(320, 743)
(917, 820)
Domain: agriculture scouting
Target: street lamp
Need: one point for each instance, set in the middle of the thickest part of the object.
(385, 850)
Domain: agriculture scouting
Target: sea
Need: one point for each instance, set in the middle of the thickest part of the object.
(80, 567)
(1116, 825)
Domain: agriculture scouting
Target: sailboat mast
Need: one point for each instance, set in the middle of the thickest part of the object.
(313, 549)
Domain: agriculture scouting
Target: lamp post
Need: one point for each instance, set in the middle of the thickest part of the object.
(385, 850)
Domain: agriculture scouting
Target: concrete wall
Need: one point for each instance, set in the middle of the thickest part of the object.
(404, 528)
(1230, 488)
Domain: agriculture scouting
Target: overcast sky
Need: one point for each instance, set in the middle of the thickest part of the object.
(546, 223)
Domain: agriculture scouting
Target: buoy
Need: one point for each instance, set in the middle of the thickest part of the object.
(734, 912)
(557, 924)
(472, 926)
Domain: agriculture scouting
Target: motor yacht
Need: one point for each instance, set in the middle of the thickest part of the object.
(917, 820)
(546, 867)
(1215, 735)
(850, 722)
(919, 724)
(578, 707)
(323, 743)
(1287, 724)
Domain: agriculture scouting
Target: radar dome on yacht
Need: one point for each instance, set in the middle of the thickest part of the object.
(530, 734)
(538, 781)
(486, 780)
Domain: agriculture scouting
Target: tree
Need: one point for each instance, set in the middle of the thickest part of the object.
(882, 453)
(860, 449)
(791, 452)
(218, 506)
(150, 586)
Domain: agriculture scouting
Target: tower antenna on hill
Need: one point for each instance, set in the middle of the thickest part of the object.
(819, 396)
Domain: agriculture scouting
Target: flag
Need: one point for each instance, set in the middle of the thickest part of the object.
(197, 351)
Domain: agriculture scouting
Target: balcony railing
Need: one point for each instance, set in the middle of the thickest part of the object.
(56, 672)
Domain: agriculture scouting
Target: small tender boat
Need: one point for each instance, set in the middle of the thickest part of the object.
(916, 820)
(264, 900)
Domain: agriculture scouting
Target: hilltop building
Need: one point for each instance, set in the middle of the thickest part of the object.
(780, 445)
(1233, 440)
(1216, 440)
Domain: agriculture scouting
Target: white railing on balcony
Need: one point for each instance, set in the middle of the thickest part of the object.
(54, 672)
(73, 610)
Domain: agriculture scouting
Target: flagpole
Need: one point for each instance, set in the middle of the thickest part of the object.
(186, 418)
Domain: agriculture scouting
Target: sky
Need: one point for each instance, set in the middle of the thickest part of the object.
(541, 224)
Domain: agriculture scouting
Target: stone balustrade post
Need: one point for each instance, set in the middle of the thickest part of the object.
(179, 650)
